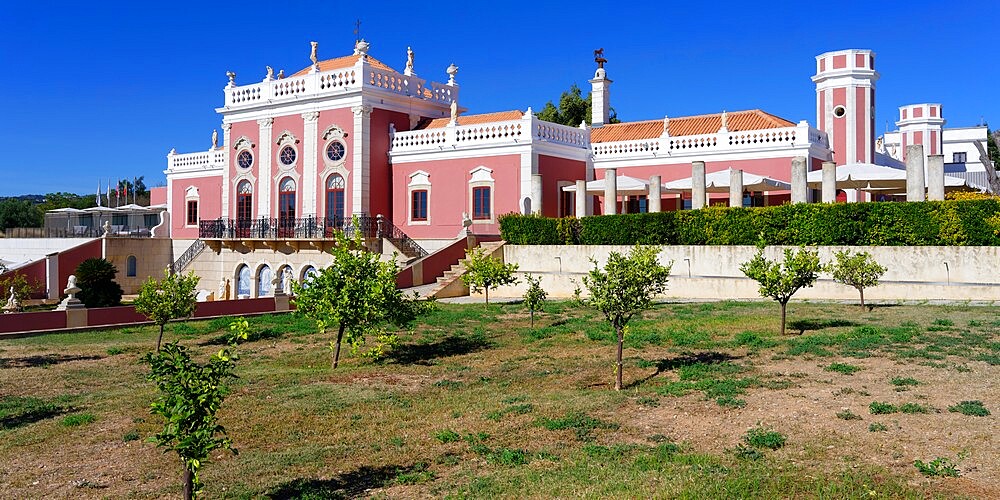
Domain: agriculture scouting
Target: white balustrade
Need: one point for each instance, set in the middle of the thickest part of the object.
(523, 131)
(747, 140)
(325, 83)
(215, 158)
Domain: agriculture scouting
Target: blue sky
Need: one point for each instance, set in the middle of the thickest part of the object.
(105, 89)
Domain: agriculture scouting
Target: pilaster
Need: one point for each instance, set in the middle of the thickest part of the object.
(263, 188)
(361, 156)
(226, 175)
(310, 165)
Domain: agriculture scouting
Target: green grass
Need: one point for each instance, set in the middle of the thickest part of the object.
(474, 404)
(78, 419)
(844, 368)
(882, 408)
(848, 415)
(939, 467)
(972, 408)
(761, 437)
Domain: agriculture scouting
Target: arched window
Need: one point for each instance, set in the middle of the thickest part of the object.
(130, 266)
(264, 281)
(286, 207)
(308, 274)
(244, 207)
(243, 282)
(335, 201)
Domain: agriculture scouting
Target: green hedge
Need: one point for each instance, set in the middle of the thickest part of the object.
(973, 222)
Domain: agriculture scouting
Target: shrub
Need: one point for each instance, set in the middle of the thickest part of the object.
(96, 279)
(880, 408)
(972, 408)
(951, 222)
(760, 437)
(938, 467)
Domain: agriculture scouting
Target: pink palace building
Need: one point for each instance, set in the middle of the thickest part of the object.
(352, 137)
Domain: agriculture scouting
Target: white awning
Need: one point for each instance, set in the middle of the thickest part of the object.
(718, 182)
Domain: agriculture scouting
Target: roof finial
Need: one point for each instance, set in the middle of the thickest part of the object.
(452, 71)
(725, 122)
(666, 125)
(357, 30)
(409, 62)
(232, 78)
(313, 58)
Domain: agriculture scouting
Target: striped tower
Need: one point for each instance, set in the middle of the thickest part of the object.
(845, 103)
(921, 124)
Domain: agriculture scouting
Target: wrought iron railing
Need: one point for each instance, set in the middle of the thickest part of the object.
(188, 255)
(310, 228)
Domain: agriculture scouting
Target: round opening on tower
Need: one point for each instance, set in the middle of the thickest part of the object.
(839, 111)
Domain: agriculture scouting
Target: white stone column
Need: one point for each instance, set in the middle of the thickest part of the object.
(610, 191)
(536, 194)
(915, 173)
(581, 199)
(935, 177)
(829, 182)
(735, 187)
(697, 185)
(227, 180)
(799, 187)
(264, 180)
(310, 167)
(653, 200)
(361, 159)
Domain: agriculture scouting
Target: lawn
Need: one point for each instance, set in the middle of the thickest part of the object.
(475, 403)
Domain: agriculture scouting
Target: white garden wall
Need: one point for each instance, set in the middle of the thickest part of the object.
(712, 272)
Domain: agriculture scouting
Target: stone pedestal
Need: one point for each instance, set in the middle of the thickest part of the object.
(800, 190)
(915, 173)
(581, 199)
(653, 199)
(76, 317)
(735, 187)
(829, 182)
(697, 185)
(935, 177)
(610, 191)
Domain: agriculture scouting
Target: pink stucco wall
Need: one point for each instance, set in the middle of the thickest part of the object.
(381, 181)
(553, 170)
(68, 260)
(293, 124)
(839, 127)
(450, 194)
(209, 204)
(344, 119)
(158, 195)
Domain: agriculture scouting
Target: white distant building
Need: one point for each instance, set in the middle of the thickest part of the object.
(924, 124)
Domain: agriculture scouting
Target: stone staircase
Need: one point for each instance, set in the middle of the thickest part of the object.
(451, 285)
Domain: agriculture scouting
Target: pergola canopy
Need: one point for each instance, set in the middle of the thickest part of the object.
(718, 182)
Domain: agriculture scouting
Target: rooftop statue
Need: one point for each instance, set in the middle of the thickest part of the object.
(270, 73)
(312, 55)
(599, 57)
(409, 62)
(215, 139)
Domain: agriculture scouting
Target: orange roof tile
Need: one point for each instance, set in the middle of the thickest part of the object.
(753, 119)
(344, 62)
(499, 116)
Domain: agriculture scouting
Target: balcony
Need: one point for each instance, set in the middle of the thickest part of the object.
(317, 232)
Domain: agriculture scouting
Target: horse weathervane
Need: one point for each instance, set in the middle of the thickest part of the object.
(599, 57)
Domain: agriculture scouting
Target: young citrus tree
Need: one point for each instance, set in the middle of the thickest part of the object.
(859, 270)
(484, 272)
(780, 280)
(358, 294)
(534, 297)
(170, 298)
(625, 286)
(190, 396)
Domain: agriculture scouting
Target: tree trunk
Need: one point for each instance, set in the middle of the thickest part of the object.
(532, 318)
(862, 292)
(336, 351)
(784, 305)
(618, 365)
(188, 484)
(160, 339)
(487, 290)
